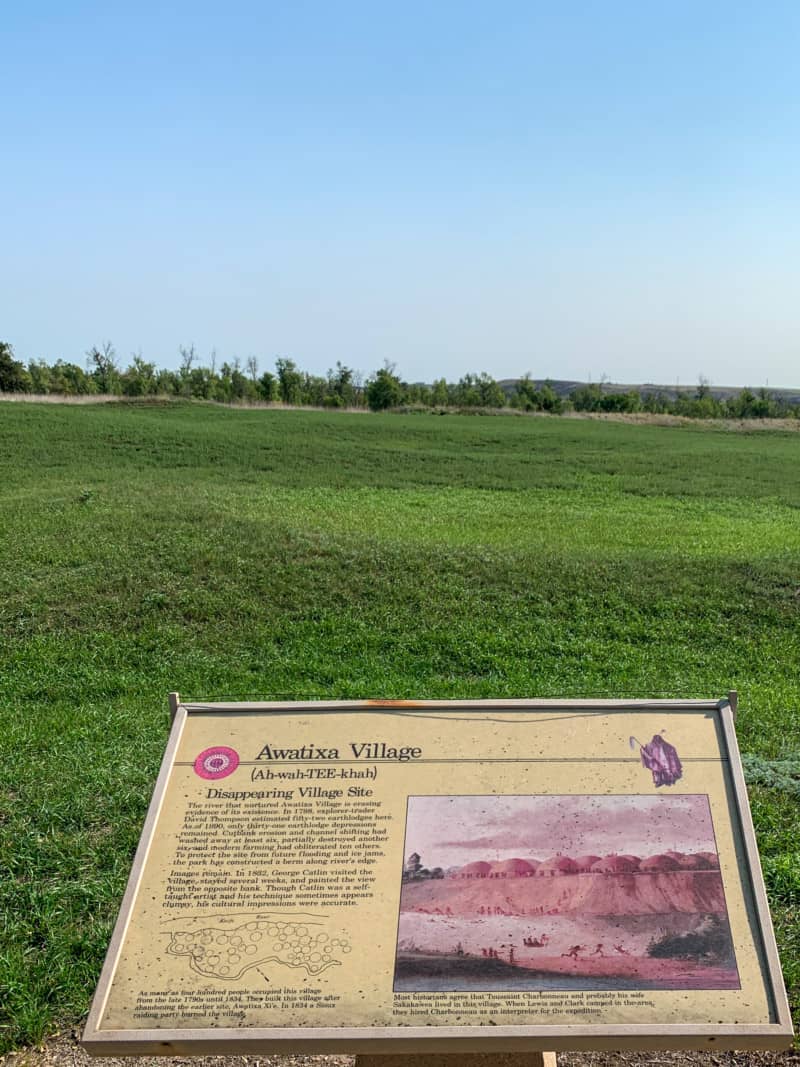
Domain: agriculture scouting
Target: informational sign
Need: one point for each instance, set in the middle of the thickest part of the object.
(440, 876)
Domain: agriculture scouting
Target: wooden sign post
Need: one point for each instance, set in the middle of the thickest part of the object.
(430, 878)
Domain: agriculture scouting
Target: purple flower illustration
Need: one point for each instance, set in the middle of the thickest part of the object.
(660, 757)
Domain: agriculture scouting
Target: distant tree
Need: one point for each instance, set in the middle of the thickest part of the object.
(526, 396)
(139, 379)
(13, 376)
(742, 405)
(703, 388)
(240, 386)
(252, 369)
(479, 391)
(223, 387)
(466, 392)
(199, 383)
(341, 387)
(439, 396)
(750, 405)
(359, 391)
(594, 397)
(168, 383)
(767, 406)
(41, 376)
(268, 387)
(492, 395)
(702, 405)
(290, 381)
(71, 380)
(621, 402)
(550, 400)
(418, 393)
(587, 397)
(102, 363)
(188, 356)
(314, 391)
(655, 403)
(384, 389)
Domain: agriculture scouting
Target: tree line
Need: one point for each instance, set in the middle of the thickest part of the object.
(230, 382)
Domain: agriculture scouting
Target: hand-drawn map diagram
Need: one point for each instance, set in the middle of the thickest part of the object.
(228, 952)
(562, 892)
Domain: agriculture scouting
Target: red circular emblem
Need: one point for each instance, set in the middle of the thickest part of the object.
(216, 762)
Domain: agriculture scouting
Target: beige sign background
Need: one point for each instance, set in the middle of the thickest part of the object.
(447, 875)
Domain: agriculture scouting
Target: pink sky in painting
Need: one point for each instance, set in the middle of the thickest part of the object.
(450, 831)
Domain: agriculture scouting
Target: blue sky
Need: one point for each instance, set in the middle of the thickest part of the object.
(574, 190)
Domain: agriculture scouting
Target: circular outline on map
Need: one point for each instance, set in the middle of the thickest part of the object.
(216, 762)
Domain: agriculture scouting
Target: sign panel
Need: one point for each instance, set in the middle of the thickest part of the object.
(450, 876)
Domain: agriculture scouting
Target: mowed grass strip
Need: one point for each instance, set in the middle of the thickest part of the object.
(300, 554)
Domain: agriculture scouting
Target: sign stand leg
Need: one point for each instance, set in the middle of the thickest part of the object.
(459, 1059)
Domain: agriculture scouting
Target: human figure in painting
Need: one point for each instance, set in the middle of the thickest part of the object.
(574, 951)
(622, 951)
(598, 951)
(536, 942)
(661, 759)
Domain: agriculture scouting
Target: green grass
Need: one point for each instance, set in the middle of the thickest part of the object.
(297, 554)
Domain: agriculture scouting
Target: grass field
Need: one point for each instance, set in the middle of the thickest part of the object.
(300, 554)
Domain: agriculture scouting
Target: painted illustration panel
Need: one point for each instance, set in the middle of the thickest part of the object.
(562, 892)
